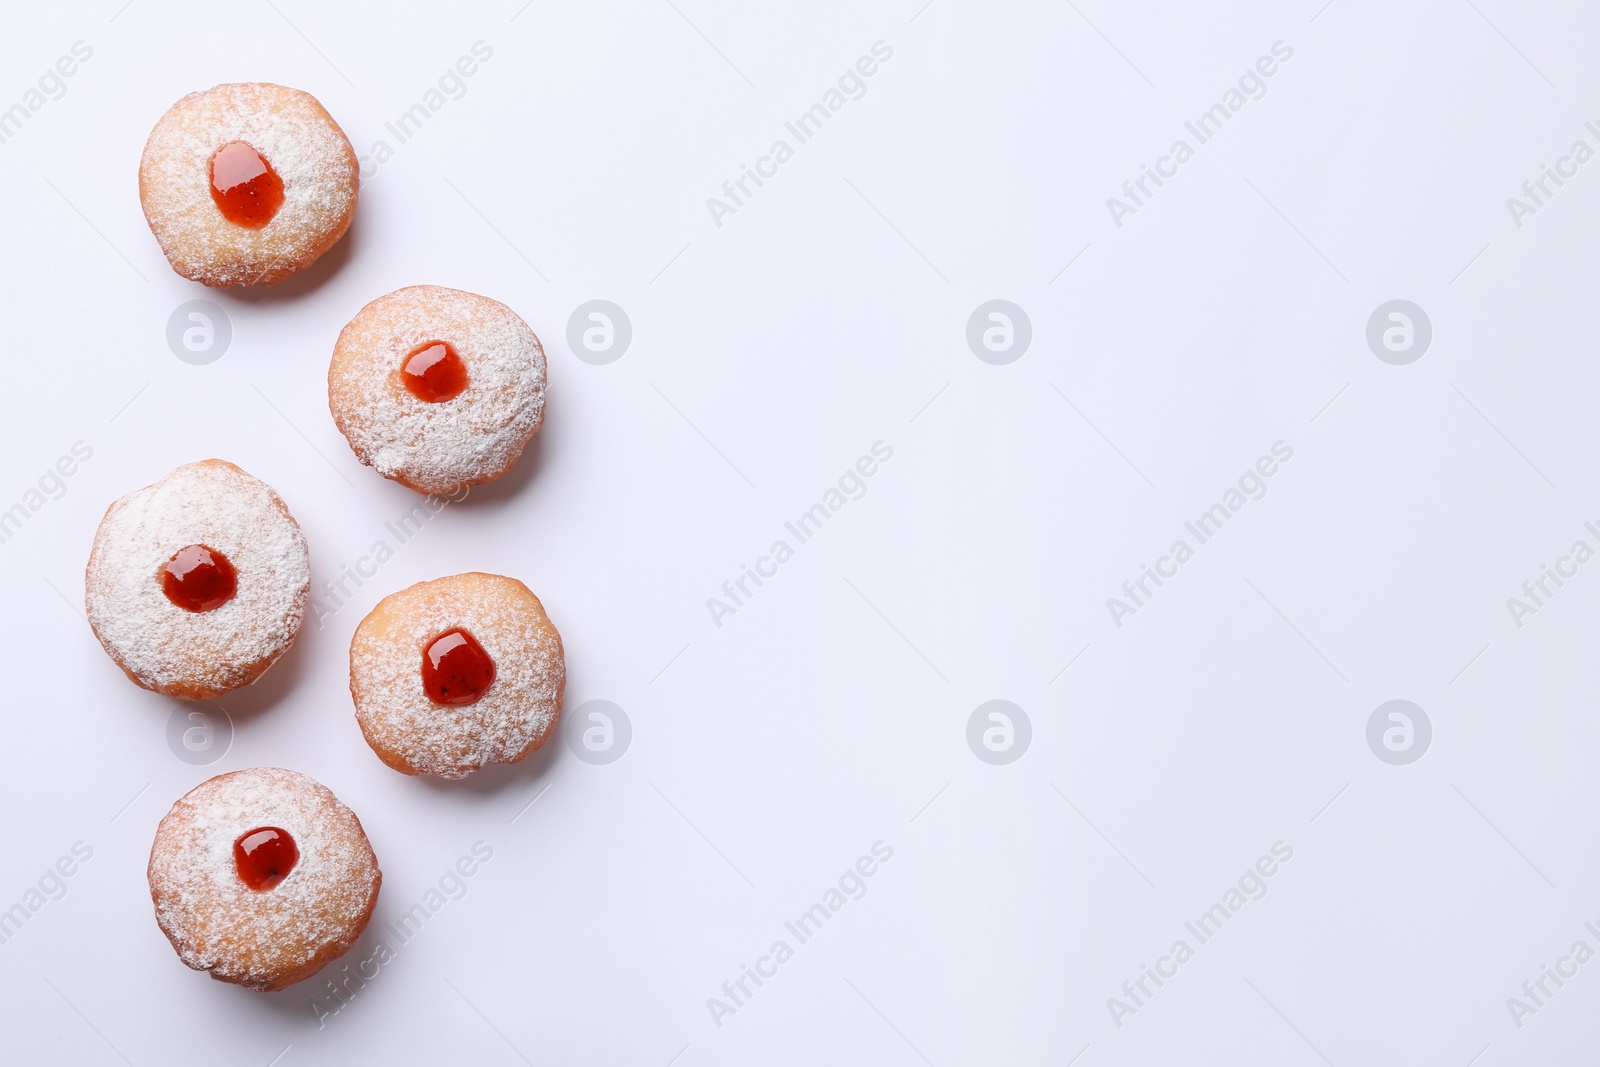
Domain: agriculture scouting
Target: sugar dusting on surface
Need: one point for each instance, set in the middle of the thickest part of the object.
(510, 719)
(438, 448)
(295, 135)
(255, 938)
(211, 503)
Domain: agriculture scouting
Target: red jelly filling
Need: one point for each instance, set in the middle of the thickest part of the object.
(455, 669)
(199, 579)
(244, 186)
(264, 857)
(434, 372)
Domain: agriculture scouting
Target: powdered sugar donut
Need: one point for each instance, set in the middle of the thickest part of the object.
(454, 674)
(245, 184)
(262, 877)
(437, 388)
(196, 584)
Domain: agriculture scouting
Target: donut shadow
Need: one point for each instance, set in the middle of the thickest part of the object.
(500, 777)
(297, 1005)
(301, 282)
(292, 1004)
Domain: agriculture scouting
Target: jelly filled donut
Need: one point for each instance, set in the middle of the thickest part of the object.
(454, 674)
(262, 877)
(437, 388)
(196, 584)
(245, 184)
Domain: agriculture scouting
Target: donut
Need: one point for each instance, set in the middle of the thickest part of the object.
(262, 877)
(455, 674)
(245, 184)
(198, 583)
(437, 388)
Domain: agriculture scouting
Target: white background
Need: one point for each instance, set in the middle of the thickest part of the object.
(768, 354)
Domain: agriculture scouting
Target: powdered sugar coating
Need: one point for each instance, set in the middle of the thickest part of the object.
(414, 735)
(437, 447)
(300, 140)
(270, 938)
(188, 654)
